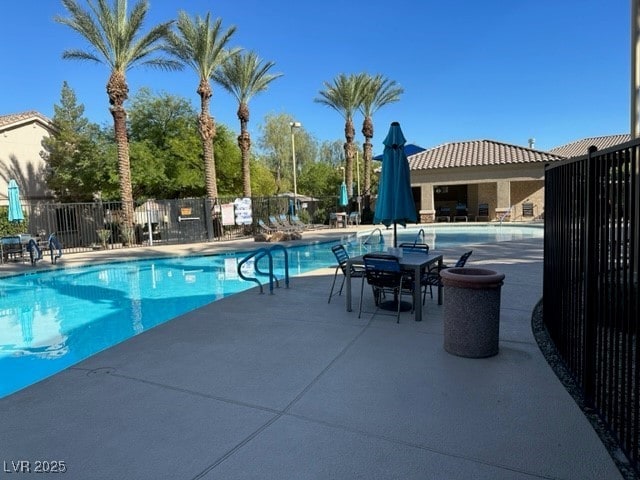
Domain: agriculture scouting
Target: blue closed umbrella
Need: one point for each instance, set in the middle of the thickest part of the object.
(344, 198)
(15, 207)
(395, 200)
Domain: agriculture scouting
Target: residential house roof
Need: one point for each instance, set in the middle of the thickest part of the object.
(16, 119)
(580, 147)
(477, 153)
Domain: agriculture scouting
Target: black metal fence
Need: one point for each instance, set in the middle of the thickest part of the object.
(98, 225)
(591, 282)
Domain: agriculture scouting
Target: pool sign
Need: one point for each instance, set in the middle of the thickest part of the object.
(243, 211)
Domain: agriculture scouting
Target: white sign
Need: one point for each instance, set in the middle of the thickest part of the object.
(243, 211)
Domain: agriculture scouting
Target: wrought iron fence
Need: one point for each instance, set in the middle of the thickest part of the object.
(99, 225)
(591, 282)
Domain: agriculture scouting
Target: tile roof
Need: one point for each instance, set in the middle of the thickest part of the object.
(477, 153)
(580, 147)
(7, 120)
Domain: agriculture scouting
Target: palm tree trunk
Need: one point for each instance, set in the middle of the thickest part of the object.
(368, 160)
(349, 135)
(244, 142)
(124, 166)
(207, 129)
(118, 90)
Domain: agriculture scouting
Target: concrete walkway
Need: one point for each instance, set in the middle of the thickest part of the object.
(286, 386)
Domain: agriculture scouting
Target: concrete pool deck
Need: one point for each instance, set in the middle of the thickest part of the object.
(286, 386)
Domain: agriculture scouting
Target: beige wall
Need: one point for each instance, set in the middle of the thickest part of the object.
(20, 159)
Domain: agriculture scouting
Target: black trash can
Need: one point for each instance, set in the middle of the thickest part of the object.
(471, 311)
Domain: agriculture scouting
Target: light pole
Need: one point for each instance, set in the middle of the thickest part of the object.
(358, 176)
(293, 126)
(343, 174)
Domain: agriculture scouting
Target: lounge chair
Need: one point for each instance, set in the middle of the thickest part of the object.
(266, 228)
(342, 256)
(283, 220)
(384, 274)
(432, 278)
(299, 223)
(273, 222)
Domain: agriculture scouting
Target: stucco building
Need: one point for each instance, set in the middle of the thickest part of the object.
(489, 180)
(21, 136)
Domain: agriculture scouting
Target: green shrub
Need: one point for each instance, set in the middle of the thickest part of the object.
(11, 228)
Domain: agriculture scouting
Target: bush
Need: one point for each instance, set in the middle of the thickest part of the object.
(11, 228)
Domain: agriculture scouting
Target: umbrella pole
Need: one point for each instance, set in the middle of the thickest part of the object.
(395, 235)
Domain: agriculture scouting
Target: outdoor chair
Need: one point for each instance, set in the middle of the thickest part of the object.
(354, 218)
(55, 248)
(414, 248)
(295, 220)
(432, 277)
(443, 215)
(273, 222)
(527, 210)
(284, 221)
(266, 228)
(483, 212)
(384, 274)
(461, 213)
(342, 256)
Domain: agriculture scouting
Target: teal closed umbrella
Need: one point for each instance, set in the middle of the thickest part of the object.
(344, 198)
(395, 200)
(15, 207)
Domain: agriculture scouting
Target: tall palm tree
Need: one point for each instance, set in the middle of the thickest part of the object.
(345, 97)
(377, 92)
(202, 46)
(116, 40)
(244, 75)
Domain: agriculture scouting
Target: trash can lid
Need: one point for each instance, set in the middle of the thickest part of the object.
(470, 277)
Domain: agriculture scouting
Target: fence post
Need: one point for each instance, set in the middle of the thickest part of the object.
(590, 279)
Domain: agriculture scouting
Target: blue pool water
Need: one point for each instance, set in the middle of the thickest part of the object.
(52, 320)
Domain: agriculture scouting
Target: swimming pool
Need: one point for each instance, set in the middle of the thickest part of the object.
(52, 320)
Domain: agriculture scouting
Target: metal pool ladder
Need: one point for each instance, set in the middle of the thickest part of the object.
(261, 253)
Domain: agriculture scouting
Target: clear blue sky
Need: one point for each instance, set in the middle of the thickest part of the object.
(506, 70)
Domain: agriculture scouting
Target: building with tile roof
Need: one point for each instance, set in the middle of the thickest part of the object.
(479, 179)
(580, 147)
(21, 136)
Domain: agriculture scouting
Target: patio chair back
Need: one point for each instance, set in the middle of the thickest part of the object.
(414, 248)
(342, 256)
(463, 259)
(385, 275)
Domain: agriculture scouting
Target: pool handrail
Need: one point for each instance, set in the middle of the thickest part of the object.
(420, 232)
(259, 254)
(380, 240)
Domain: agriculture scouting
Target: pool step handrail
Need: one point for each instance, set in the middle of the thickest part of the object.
(259, 254)
(505, 214)
(286, 262)
(380, 240)
(420, 233)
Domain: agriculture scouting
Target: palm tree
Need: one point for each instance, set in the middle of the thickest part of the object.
(116, 40)
(244, 75)
(202, 46)
(377, 92)
(344, 96)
